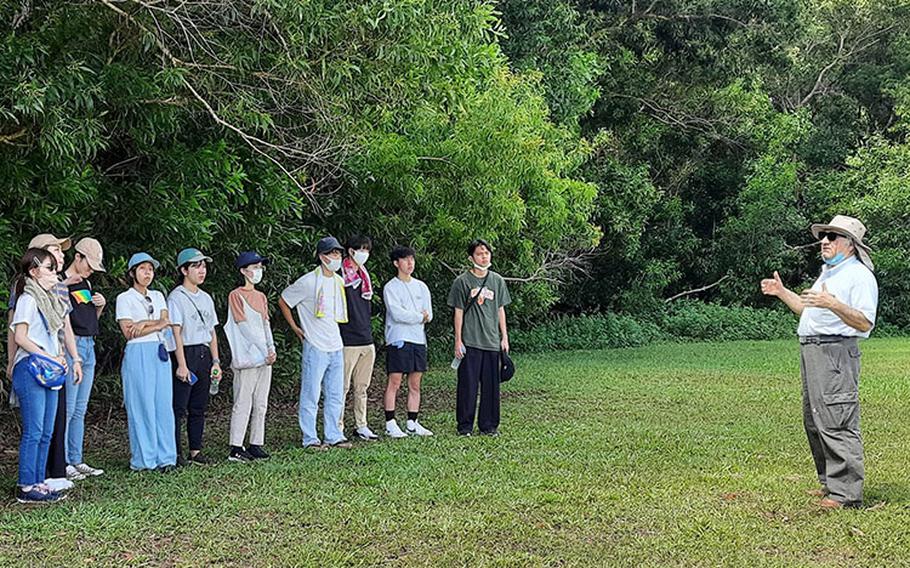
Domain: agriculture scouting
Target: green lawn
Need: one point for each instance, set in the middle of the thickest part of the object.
(679, 455)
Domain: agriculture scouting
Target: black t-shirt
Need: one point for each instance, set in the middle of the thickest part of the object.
(84, 317)
(357, 331)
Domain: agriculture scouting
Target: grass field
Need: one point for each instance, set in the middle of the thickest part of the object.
(671, 455)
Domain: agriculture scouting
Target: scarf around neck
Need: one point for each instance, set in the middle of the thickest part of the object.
(339, 306)
(49, 305)
(354, 275)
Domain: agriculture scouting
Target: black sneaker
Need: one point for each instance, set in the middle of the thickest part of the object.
(181, 461)
(492, 433)
(465, 433)
(200, 459)
(257, 453)
(166, 468)
(238, 454)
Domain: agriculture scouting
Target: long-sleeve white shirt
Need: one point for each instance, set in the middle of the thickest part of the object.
(405, 303)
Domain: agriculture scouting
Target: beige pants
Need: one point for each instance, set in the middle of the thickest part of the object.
(358, 368)
(251, 396)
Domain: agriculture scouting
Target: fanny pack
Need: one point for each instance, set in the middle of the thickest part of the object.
(47, 372)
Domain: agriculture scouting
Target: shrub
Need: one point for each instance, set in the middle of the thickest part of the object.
(691, 319)
(603, 331)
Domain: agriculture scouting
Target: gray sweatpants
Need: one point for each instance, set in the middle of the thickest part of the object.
(830, 377)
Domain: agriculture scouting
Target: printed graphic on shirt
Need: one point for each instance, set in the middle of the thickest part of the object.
(81, 296)
(485, 294)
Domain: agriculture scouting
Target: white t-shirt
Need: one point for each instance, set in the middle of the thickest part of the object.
(196, 322)
(852, 283)
(133, 306)
(321, 332)
(27, 312)
(405, 303)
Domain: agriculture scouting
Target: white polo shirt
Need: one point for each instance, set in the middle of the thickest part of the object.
(852, 283)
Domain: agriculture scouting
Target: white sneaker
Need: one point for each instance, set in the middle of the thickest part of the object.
(365, 433)
(58, 484)
(74, 474)
(87, 470)
(393, 431)
(415, 429)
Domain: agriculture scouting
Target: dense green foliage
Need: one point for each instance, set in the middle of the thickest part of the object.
(658, 146)
(722, 129)
(667, 455)
(267, 124)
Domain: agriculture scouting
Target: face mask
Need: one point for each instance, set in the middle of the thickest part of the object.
(333, 265)
(256, 278)
(835, 260)
(48, 281)
(479, 267)
(361, 256)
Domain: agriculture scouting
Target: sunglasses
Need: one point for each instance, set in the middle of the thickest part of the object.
(830, 235)
(149, 307)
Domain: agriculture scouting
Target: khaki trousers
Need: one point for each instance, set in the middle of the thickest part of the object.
(830, 377)
(251, 396)
(358, 369)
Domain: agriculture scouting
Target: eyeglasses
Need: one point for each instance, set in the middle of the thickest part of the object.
(150, 308)
(830, 235)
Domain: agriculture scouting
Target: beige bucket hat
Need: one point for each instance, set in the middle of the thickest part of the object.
(853, 229)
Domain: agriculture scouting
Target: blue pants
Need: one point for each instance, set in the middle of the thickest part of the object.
(148, 396)
(321, 371)
(77, 398)
(38, 406)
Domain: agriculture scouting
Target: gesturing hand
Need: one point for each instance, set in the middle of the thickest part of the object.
(818, 298)
(772, 286)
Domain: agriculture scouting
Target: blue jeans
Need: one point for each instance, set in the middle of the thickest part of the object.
(321, 372)
(38, 406)
(77, 398)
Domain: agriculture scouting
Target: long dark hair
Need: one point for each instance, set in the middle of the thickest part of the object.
(32, 258)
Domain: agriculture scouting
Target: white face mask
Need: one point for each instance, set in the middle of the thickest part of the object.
(256, 277)
(333, 265)
(47, 280)
(361, 256)
(479, 267)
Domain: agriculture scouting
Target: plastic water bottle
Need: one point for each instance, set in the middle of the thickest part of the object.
(456, 361)
(216, 382)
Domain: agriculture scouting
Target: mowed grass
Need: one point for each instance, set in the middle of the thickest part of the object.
(670, 455)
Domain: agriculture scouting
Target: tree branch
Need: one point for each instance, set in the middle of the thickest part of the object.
(9, 138)
(695, 290)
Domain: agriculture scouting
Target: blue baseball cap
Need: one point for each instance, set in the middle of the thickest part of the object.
(191, 255)
(250, 257)
(141, 257)
(327, 245)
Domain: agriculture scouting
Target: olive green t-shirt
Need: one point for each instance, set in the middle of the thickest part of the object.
(480, 329)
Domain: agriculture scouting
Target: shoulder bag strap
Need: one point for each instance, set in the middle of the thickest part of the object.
(194, 306)
(472, 301)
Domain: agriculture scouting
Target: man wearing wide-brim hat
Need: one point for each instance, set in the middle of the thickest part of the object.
(834, 314)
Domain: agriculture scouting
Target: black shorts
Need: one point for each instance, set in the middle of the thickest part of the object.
(410, 358)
